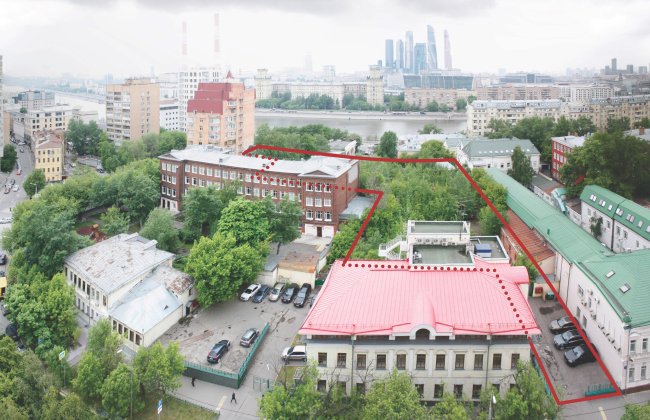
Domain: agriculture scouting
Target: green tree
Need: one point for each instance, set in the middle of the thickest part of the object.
(10, 410)
(23, 110)
(356, 138)
(583, 125)
(562, 128)
(500, 129)
(387, 145)
(300, 403)
(432, 106)
(433, 149)
(393, 396)
(461, 104)
(535, 129)
(284, 220)
(450, 408)
(219, 266)
(348, 98)
(471, 99)
(596, 226)
(620, 124)
(636, 412)
(645, 123)
(58, 303)
(116, 392)
(9, 158)
(203, 206)
(160, 368)
(160, 226)
(84, 137)
(140, 195)
(246, 220)
(34, 182)
(114, 221)
(68, 407)
(343, 239)
(430, 129)
(444, 108)
(523, 260)
(521, 170)
(105, 344)
(90, 376)
(59, 367)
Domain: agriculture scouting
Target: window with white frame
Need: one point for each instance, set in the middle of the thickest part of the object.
(240, 190)
(309, 201)
(274, 181)
(282, 194)
(209, 171)
(174, 180)
(256, 192)
(310, 186)
(202, 183)
(292, 196)
(264, 192)
(309, 215)
(265, 180)
(274, 193)
(225, 174)
(318, 202)
(319, 215)
(328, 188)
(248, 177)
(194, 181)
(187, 168)
(194, 169)
(208, 183)
(319, 187)
(217, 173)
(248, 190)
(233, 175)
(328, 216)
(201, 170)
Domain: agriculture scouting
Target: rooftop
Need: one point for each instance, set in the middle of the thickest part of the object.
(571, 141)
(497, 147)
(116, 261)
(438, 227)
(374, 301)
(443, 255)
(299, 262)
(317, 166)
(356, 207)
(48, 140)
(526, 235)
(640, 133)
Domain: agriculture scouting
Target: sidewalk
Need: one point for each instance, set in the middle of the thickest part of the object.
(83, 339)
(210, 396)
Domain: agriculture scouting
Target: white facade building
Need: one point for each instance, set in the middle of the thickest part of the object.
(188, 83)
(496, 153)
(169, 115)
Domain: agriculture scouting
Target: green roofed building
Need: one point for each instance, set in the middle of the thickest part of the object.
(495, 153)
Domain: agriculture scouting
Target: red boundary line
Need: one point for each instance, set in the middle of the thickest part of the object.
(482, 194)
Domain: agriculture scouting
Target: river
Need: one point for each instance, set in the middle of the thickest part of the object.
(363, 127)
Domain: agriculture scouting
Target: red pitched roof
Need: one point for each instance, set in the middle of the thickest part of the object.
(205, 106)
(533, 244)
(375, 301)
(229, 76)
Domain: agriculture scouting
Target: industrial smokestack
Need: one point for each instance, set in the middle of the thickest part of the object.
(217, 47)
(184, 45)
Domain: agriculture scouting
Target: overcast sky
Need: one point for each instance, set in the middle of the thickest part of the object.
(95, 37)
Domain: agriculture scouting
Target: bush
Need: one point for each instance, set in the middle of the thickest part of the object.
(187, 235)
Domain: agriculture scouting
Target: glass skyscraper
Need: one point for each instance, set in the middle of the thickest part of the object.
(420, 57)
(432, 53)
(390, 60)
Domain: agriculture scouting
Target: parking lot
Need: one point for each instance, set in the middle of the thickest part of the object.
(228, 321)
(573, 381)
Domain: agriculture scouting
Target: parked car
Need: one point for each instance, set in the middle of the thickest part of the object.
(294, 353)
(218, 351)
(277, 291)
(22, 150)
(313, 300)
(249, 337)
(250, 291)
(12, 182)
(3, 259)
(569, 338)
(303, 295)
(100, 170)
(16, 187)
(5, 220)
(5, 311)
(2, 273)
(290, 293)
(11, 331)
(580, 354)
(19, 171)
(74, 165)
(7, 189)
(261, 293)
(561, 325)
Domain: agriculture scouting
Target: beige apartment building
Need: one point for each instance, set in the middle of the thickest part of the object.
(34, 99)
(222, 114)
(263, 86)
(518, 92)
(585, 92)
(633, 107)
(56, 118)
(479, 113)
(420, 97)
(132, 109)
(49, 154)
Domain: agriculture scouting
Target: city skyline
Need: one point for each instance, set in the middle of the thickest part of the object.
(333, 35)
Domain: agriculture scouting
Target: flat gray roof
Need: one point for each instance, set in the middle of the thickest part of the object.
(438, 254)
(356, 207)
(497, 251)
(437, 227)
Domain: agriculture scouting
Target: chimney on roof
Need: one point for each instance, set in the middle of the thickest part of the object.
(641, 131)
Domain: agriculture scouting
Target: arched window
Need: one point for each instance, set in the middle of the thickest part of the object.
(422, 334)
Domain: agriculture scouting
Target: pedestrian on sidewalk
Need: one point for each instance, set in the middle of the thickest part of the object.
(233, 398)
(193, 379)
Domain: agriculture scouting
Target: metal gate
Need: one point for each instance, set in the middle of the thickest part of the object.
(262, 384)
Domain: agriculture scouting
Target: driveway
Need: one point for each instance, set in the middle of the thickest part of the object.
(573, 381)
(229, 320)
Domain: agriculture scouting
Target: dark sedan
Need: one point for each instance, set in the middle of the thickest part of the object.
(303, 295)
(579, 355)
(217, 352)
(261, 293)
(3, 259)
(249, 337)
(571, 338)
(290, 293)
(560, 325)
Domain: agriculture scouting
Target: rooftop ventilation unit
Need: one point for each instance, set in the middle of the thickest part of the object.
(624, 288)
(610, 274)
(427, 241)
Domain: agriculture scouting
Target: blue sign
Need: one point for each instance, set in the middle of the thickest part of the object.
(159, 406)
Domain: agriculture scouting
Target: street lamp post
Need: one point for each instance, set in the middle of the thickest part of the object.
(492, 400)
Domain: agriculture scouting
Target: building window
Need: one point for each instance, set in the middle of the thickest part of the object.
(319, 215)
(633, 346)
(643, 372)
(381, 361)
(513, 360)
(460, 362)
(438, 391)
(328, 216)
(310, 187)
(644, 345)
(309, 201)
(328, 188)
(322, 385)
(631, 375)
(496, 361)
(581, 292)
(361, 388)
(340, 360)
(401, 361)
(248, 190)
(419, 388)
(264, 193)
(458, 391)
(440, 361)
(318, 202)
(420, 361)
(478, 362)
(361, 361)
(328, 202)
(322, 359)
(309, 215)
(476, 391)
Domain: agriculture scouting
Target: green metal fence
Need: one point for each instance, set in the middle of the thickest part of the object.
(599, 389)
(242, 371)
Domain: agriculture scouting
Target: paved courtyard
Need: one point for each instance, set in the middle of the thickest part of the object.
(573, 381)
(229, 320)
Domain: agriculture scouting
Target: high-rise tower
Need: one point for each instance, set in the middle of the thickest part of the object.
(408, 53)
(390, 60)
(448, 65)
(399, 54)
(419, 57)
(432, 53)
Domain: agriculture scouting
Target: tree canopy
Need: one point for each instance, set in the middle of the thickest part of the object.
(430, 129)
(84, 137)
(34, 182)
(521, 171)
(160, 226)
(387, 145)
(9, 158)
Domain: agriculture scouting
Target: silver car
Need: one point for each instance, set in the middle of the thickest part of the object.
(277, 291)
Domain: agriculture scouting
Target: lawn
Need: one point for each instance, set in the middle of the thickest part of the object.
(135, 228)
(172, 409)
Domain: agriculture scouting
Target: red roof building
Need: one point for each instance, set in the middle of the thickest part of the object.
(447, 326)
